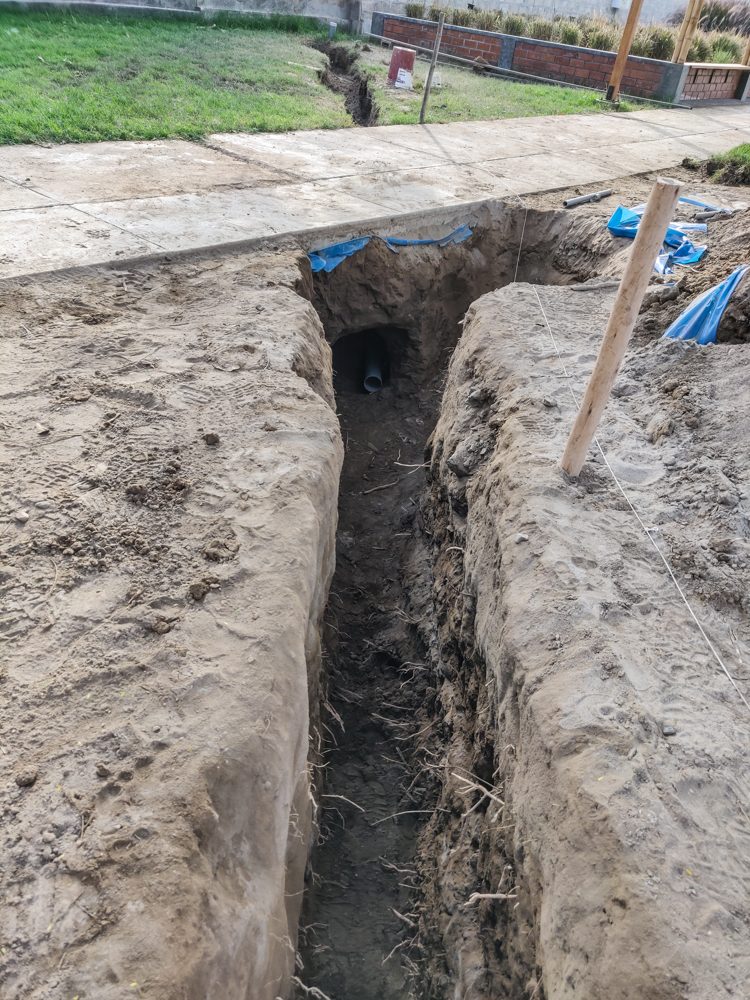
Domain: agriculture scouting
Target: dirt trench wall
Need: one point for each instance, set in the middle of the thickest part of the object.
(426, 290)
(575, 688)
(162, 592)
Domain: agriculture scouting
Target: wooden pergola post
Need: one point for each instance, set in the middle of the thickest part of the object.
(687, 31)
(624, 51)
(681, 32)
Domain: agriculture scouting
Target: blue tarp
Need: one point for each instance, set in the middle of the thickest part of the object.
(701, 319)
(625, 221)
(327, 258)
(705, 206)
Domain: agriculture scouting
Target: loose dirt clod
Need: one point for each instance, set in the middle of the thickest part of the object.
(27, 777)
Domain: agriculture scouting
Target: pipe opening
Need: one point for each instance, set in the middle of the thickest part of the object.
(362, 361)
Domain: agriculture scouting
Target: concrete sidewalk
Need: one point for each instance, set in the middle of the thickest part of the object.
(71, 205)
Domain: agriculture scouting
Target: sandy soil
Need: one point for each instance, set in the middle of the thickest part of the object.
(168, 498)
(169, 486)
(579, 692)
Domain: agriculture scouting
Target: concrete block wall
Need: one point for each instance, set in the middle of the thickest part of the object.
(551, 60)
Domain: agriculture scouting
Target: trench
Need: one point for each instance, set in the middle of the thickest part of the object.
(366, 931)
(342, 77)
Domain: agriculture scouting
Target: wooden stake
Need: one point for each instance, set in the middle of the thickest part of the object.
(428, 82)
(746, 57)
(646, 246)
(624, 51)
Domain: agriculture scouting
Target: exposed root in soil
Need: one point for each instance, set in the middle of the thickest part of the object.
(343, 77)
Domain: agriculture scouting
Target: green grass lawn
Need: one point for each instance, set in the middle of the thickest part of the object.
(732, 167)
(67, 77)
(468, 96)
(81, 78)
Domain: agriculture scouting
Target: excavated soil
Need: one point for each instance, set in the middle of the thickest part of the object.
(168, 497)
(607, 829)
(198, 748)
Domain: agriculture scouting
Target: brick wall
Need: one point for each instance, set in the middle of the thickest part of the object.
(551, 60)
(587, 67)
(469, 44)
(710, 83)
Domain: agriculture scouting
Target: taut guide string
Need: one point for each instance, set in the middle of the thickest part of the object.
(646, 531)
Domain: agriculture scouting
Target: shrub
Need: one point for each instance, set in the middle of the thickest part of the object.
(720, 15)
(541, 29)
(661, 42)
(716, 15)
(730, 45)
(514, 24)
(700, 49)
(570, 34)
(414, 10)
(433, 14)
(640, 44)
(488, 20)
(602, 37)
(462, 17)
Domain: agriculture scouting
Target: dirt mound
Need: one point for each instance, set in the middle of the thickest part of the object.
(728, 241)
(593, 771)
(169, 506)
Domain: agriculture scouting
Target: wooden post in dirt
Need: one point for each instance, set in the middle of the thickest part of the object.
(646, 246)
(624, 51)
(691, 26)
(428, 82)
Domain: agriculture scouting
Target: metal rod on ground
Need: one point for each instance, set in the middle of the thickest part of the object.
(503, 74)
(624, 51)
(428, 82)
(646, 246)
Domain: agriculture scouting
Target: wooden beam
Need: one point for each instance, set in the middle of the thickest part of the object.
(690, 30)
(646, 246)
(746, 57)
(428, 82)
(624, 51)
(681, 32)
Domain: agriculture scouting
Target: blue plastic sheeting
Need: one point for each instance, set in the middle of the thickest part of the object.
(625, 221)
(701, 319)
(704, 206)
(327, 258)
(685, 253)
(639, 209)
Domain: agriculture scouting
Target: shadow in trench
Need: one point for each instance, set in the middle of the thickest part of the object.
(358, 906)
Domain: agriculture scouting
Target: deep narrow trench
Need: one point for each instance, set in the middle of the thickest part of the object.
(378, 753)
(342, 77)
(359, 905)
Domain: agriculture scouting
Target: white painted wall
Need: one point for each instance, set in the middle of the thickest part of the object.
(657, 11)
